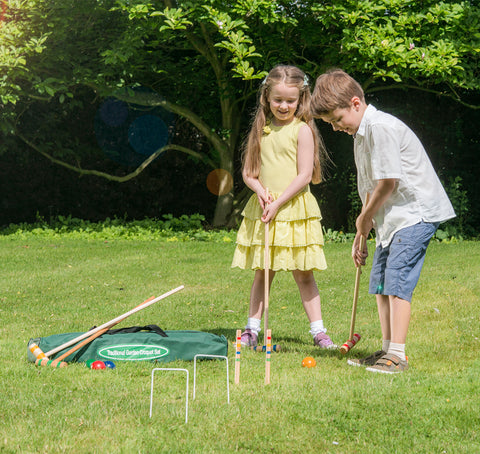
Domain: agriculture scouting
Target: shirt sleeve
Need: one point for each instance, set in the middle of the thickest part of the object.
(385, 153)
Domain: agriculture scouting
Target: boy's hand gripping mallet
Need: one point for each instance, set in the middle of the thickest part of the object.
(354, 337)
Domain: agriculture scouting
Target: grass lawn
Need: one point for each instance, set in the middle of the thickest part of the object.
(57, 285)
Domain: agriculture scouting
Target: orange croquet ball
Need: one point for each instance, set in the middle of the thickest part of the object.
(309, 362)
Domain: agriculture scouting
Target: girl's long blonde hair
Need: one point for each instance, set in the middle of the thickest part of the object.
(293, 76)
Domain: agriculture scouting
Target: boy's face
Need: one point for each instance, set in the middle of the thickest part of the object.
(345, 119)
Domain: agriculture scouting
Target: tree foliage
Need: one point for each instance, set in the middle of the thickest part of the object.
(203, 61)
(428, 44)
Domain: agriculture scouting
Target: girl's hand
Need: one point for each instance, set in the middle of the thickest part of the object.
(262, 200)
(270, 211)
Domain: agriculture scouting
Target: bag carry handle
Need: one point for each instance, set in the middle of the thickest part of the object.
(136, 329)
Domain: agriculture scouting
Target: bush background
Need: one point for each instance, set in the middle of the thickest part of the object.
(32, 186)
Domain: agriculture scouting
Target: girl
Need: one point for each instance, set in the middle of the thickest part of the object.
(282, 153)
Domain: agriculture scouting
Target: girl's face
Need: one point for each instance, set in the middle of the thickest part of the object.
(283, 101)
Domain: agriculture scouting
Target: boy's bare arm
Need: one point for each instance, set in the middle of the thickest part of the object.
(364, 222)
(380, 195)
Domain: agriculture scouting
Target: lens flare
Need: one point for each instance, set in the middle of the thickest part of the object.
(114, 112)
(127, 132)
(3, 11)
(147, 134)
(219, 182)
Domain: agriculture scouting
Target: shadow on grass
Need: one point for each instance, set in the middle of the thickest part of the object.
(290, 344)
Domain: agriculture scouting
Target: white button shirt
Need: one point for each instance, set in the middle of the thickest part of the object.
(385, 148)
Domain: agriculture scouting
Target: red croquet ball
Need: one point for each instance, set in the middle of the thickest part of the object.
(309, 362)
(98, 365)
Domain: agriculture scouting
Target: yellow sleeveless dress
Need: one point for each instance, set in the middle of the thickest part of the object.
(295, 235)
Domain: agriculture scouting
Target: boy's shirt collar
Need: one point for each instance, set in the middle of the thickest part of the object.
(368, 112)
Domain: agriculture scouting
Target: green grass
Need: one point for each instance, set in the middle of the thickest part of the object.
(50, 285)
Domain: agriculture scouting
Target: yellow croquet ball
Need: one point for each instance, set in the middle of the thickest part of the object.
(309, 362)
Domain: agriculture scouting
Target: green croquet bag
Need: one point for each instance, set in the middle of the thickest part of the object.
(140, 343)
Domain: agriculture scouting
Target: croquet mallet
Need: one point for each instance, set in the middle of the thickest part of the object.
(266, 266)
(354, 337)
(89, 339)
(43, 358)
(238, 352)
(268, 353)
(267, 340)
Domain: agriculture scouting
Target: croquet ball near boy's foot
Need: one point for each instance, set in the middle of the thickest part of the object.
(309, 362)
(89, 363)
(109, 364)
(98, 365)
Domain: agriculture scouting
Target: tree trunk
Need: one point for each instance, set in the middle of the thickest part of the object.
(223, 210)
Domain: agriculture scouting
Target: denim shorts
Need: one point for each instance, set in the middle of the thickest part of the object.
(396, 268)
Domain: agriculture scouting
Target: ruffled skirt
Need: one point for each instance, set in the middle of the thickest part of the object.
(295, 236)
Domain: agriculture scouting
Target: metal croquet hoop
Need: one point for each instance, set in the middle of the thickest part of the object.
(186, 392)
(200, 355)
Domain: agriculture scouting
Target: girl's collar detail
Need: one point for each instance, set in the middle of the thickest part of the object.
(267, 129)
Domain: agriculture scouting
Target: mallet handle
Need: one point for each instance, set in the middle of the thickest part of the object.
(358, 273)
(93, 337)
(238, 351)
(268, 356)
(357, 280)
(266, 265)
(115, 320)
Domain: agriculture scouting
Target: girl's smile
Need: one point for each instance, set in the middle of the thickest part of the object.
(283, 100)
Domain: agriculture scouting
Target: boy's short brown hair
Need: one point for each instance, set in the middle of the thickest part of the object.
(334, 90)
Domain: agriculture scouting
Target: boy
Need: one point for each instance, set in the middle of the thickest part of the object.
(407, 202)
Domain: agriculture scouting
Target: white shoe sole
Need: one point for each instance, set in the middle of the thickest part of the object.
(353, 363)
(379, 371)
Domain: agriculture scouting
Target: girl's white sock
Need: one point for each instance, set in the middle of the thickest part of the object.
(385, 345)
(317, 327)
(253, 324)
(397, 350)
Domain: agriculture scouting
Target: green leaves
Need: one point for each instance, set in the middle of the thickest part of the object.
(211, 24)
(175, 19)
(427, 42)
(204, 58)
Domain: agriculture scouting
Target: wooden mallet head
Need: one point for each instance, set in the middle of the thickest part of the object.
(36, 351)
(345, 348)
